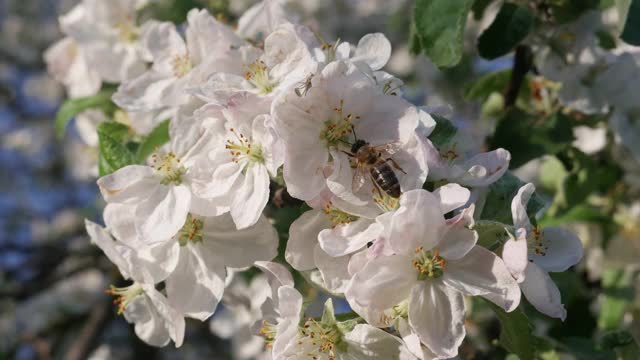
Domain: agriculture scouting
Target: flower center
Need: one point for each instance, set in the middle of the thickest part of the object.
(181, 65)
(401, 310)
(168, 168)
(124, 295)
(338, 217)
(127, 31)
(242, 149)
(536, 244)
(428, 263)
(385, 202)
(321, 338)
(329, 50)
(268, 331)
(191, 231)
(258, 75)
(449, 154)
(337, 126)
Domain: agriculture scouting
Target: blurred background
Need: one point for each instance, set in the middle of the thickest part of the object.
(52, 280)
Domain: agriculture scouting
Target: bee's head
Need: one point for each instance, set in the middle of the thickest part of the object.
(357, 145)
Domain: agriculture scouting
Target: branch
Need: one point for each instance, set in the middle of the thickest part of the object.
(90, 331)
(522, 64)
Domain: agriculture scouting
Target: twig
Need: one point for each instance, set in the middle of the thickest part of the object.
(522, 64)
(90, 331)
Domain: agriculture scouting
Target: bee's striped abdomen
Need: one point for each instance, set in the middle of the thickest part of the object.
(386, 179)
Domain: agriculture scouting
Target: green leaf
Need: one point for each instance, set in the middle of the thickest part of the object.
(512, 24)
(515, 333)
(73, 107)
(440, 27)
(528, 137)
(114, 153)
(618, 293)
(156, 138)
(443, 132)
(631, 32)
(614, 339)
(491, 234)
(495, 82)
(497, 204)
(566, 11)
(578, 213)
(587, 176)
(585, 349)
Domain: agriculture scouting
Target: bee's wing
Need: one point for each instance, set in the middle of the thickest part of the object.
(388, 148)
(359, 177)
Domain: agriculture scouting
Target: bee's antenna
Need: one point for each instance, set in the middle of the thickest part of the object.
(353, 128)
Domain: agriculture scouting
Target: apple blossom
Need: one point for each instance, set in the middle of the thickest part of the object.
(534, 252)
(109, 37)
(435, 262)
(245, 151)
(320, 125)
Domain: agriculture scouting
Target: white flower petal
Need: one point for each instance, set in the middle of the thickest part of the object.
(383, 282)
(173, 320)
(128, 183)
(348, 238)
(542, 292)
(483, 273)
(452, 196)
(515, 254)
(436, 314)
(334, 270)
(251, 197)
(239, 248)
(163, 214)
(374, 50)
(303, 238)
(368, 342)
(519, 206)
(277, 275)
(458, 239)
(563, 249)
(485, 168)
(149, 324)
(197, 284)
(418, 222)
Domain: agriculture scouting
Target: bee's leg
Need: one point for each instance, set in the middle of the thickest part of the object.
(395, 164)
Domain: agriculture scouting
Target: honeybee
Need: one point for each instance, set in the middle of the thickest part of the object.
(374, 160)
(303, 87)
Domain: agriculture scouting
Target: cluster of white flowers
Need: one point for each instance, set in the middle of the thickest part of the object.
(245, 103)
(593, 80)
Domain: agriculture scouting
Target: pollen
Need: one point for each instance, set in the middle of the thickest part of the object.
(338, 126)
(258, 75)
(323, 339)
(428, 263)
(181, 65)
(536, 242)
(242, 150)
(168, 167)
(191, 231)
(124, 295)
(338, 217)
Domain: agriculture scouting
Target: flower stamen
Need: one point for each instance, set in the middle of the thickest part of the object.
(124, 295)
(428, 263)
(338, 217)
(169, 168)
